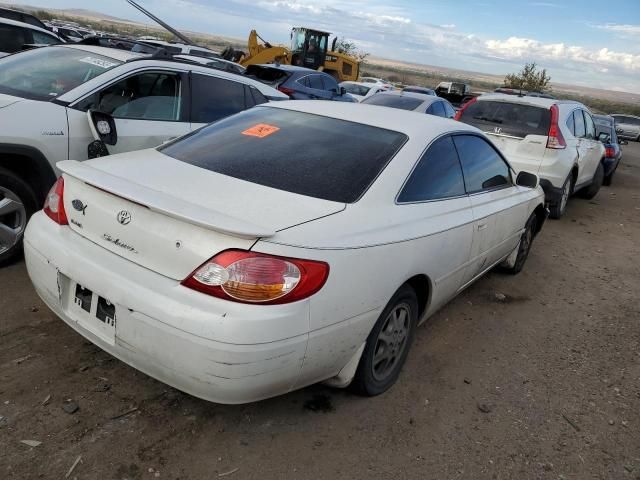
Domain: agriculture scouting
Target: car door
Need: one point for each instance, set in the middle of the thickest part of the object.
(317, 89)
(434, 199)
(582, 147)
(214, 98)
(594, 150)
(148, 108)
(499, 206)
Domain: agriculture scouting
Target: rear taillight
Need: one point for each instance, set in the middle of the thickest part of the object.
(609, 152)
(555, 140)
(464, 107)
(286, 90)
(250, 277)
(53, 204)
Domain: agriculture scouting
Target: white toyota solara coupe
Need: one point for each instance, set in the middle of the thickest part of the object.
(289, 244)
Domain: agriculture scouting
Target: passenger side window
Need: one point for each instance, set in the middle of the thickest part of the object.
(578, 120)
(330, 84)
(44, 39)
(146, 96)
(213, 98)
(590, 127)
(482, 165)
(257, 97)
(436, 108)
(448, 110)
(315, 81)
(437, 175)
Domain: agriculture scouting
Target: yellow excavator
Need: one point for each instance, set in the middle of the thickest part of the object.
(309, 48)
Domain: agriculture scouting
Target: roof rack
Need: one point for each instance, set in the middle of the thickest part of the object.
(167, 56)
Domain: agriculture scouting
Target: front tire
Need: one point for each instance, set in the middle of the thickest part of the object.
(17, 204)
(593, 189)
(388, 344)
(556, 211)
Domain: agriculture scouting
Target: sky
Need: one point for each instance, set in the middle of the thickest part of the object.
(593, 43)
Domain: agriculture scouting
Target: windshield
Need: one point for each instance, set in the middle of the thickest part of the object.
(356, 89)
(48, 72)
(394, 101)
(296, 152)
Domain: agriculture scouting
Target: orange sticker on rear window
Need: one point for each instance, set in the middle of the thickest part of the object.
(261, 130)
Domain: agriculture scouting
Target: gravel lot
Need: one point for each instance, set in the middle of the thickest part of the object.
(543, 383)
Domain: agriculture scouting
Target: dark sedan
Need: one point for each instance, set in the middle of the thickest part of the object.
(299, 83)
(606, 132)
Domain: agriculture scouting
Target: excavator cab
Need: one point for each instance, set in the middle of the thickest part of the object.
(308, 47)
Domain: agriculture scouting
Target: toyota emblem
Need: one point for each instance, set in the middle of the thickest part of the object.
(124, 217)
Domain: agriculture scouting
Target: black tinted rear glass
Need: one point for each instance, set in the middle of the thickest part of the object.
(268, 75)
(296, 152)
(512, 118)
(394, 101)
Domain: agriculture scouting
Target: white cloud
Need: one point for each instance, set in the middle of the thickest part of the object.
(625, 29)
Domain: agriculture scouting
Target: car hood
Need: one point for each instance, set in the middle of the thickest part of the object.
(6, 100)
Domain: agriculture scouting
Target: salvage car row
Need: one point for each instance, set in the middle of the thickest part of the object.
(266, 245)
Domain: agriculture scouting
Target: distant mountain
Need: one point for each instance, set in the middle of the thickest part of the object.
(75, 12)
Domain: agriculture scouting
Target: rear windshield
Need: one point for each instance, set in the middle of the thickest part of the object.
(511, 118)
(270, 76)
(296, 152)
(426, 91)
(394, 101)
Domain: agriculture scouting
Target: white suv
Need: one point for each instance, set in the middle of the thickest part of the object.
(555, 139)
(45, 96)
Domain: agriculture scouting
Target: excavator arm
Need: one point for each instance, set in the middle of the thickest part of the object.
(263, 52)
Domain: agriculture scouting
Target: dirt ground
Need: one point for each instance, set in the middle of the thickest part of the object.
(543, 383)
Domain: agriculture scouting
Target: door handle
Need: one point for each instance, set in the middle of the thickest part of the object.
(482, 226)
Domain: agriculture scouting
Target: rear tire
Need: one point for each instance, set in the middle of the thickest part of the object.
(556, 211)
(609, 178)
(387, 345)
(524, 247)
(593, 189)
(17, 204)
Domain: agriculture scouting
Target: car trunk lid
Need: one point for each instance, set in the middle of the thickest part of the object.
(169, 216)
(523, 153)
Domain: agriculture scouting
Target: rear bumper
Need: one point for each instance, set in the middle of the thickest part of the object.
(163, 329)
(610, 165)
(552, 195)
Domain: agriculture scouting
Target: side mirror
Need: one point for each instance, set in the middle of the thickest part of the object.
(103, 127)
(526, 179)
(604, 137)
(343, 90)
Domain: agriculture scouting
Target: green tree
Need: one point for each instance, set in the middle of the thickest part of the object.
(529, 78)
(350, 48)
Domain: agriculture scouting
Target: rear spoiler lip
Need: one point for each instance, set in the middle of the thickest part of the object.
(164, 203)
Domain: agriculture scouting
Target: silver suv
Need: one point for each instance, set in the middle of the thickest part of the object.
(627, 126)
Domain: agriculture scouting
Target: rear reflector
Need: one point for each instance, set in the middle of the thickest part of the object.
(555, 138)
(53, 204)
(250, 277)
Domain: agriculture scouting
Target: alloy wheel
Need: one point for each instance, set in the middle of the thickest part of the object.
(391, 342)
(13, 219)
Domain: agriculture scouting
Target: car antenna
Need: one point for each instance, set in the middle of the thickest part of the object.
(164, 25)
